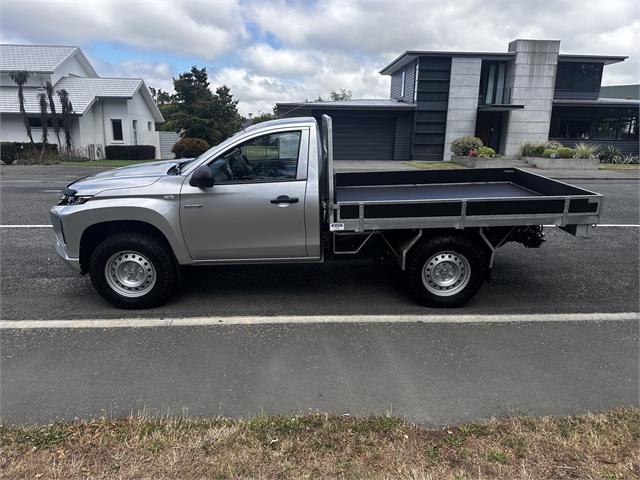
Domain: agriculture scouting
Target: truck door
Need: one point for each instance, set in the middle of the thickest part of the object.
(255, 210)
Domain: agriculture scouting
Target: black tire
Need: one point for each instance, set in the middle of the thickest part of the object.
(153, 251)
(462, 255)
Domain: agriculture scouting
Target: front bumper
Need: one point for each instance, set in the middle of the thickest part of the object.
(61, 245)
(61, 249)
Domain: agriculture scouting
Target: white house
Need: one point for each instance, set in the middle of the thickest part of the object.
(107, 111)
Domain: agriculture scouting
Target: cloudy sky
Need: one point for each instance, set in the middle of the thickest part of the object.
(277, 50)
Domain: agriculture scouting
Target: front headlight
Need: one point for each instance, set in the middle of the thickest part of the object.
(73, 199)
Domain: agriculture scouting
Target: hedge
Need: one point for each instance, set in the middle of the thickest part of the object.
(130, 152)
(10, 151)
(190, 147)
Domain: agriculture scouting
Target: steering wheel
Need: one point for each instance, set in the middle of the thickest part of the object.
(241, 166)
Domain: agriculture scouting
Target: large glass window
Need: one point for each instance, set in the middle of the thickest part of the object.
(492, 83)
(578, 77)
(628, 128)
(589, 123)
(579, 129)
(268, 158)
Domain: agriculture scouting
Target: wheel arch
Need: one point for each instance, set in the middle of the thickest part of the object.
(94, 234)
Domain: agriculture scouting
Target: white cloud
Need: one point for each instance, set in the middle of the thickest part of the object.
(191, 27)
(268, 51)
(265, 59)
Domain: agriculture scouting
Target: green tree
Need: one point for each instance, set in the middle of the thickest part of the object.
(52, 106)
(20, 78)
(341, 94)
(264, 117)
(67, 117)
(195, 111)
(44, 118)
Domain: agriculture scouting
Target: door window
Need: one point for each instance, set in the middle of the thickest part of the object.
(268, 158)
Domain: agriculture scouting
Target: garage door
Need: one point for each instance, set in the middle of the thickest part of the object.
(363, 138)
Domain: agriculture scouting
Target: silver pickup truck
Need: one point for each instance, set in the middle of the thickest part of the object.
(269, 194)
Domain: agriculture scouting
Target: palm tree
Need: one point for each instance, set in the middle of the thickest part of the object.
(20, 78)
(52, 107)
(67, 115)
(44, 118)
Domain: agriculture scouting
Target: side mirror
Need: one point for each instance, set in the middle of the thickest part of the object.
(202, 177)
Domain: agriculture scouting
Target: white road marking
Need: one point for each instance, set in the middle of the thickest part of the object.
(266, 320)
(25, 226)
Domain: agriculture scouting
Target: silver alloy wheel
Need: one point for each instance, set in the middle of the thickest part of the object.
(130, 274)
(446, 273)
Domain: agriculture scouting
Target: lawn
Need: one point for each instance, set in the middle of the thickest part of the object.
(602, 446)
(433, 165)
(619, 166)
(105, 163)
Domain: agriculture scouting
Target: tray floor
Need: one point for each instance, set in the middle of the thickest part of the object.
(431, 192)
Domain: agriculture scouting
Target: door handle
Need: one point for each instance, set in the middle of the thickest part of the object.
(284, 199)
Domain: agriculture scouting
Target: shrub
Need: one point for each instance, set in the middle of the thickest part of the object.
(553, 145)
(531, 149)
(566, 152)
(608, 153)
(549, 153)
(190, 147)
(462, 146)
(34, 156)
(10, 151)
(486, 152)
(130, 152)
(627, 158)
(75, 155)
(586, 150)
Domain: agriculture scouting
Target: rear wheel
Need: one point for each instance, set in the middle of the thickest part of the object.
(446, 271)
(133, 271)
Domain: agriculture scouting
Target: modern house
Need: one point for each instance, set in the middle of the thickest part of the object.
(107, 111)
(531, 92)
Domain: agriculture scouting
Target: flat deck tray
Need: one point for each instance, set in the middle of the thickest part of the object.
(431, 192)
(460, 199)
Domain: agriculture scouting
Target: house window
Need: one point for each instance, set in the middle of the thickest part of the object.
(134, 126)
(36, 122)
(583, 123)
(116, 130)
(150, 126)
(492, 83)
(402, 85)
(578, 77)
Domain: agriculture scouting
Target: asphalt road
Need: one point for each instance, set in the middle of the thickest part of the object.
(429, 372)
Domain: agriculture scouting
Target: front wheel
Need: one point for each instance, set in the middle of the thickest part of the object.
(133, 271)
(446, 271)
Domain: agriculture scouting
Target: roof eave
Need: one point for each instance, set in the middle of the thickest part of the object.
(606, 59)
(410, 55)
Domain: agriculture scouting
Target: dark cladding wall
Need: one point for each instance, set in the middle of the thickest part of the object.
(409, 83)
(396, 85)
(432, 100)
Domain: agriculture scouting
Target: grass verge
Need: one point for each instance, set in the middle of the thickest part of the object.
(106, 163)
(602, 446)
(433, 165)
(619, 166)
